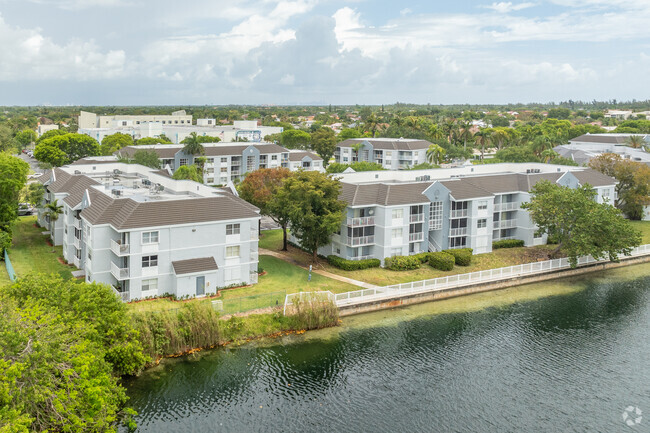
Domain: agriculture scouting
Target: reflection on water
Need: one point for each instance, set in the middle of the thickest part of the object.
(565, 355)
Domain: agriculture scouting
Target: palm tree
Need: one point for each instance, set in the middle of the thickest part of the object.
(371, 123)
(193, 145)
(499, 137)
(435, 154)
(465, 132)
(635, 141)
(548, 154)
(541, 144)
(482, 137)
(53, 210)
(357, 148)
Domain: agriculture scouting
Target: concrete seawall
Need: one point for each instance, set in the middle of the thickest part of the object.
(408, 299)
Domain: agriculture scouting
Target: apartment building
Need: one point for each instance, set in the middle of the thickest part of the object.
(89, 120)
(407, 212)
(391, 153)
(146, 234)
(226, 162)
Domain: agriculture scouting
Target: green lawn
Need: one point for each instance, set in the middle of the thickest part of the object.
(30, 253)
(281, 278)
(271, 239)
(644, 228)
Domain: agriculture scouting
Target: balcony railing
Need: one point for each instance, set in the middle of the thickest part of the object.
(506, 206)
(505, 224)
(459, 213)
(77, 223)
(417, 218)
(363, 240)
(77, 243)
(361, 221)
(119, 273)
(416, 237)
(118, 248)
(366, 257)
(461, 231)
(254, 256)
(254, 235)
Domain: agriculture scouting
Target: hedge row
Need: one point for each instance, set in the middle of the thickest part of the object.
(462, 256)
(352, 265)
(402, 263)
(442, 261)
(507, 243)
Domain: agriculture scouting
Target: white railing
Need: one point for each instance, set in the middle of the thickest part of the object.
(505, 224)
(254, 256)
(77, 243)
(459, 213)
(461, 231)
(119, 273)
(119, 248)
(253, 277)
(124, 296)
(433, 246)
(77, 223)
(361, 257)
(363, 240)
(506, 206)
(461, 280)
(361, 221)
(416, 237)
(254, 235)
(417, 218)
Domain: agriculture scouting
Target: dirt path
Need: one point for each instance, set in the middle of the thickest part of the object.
(289, 259)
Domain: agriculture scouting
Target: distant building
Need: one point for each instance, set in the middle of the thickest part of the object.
(585, 147)
(42, 129)
(89, 120)
(618, 114)
(391, 153)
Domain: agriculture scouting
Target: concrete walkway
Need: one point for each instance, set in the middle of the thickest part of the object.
(287, 258)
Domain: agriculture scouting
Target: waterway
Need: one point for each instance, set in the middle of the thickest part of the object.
(561, 356)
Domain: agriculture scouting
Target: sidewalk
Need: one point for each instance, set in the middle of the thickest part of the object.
(288, 259)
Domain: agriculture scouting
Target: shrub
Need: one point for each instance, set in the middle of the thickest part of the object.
(442, 261)
(422, 257)
(462, 256)
(402, 263)
(507, 243)
(352, 265)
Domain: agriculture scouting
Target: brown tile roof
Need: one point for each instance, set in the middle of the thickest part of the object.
(237, 149)
(77, 190)
(201, 264)
(593, 178)
(460, 189)
(388, 143)
(126, 213)
(610, 139)
(60, 183)
(383, 194)
(298, 156)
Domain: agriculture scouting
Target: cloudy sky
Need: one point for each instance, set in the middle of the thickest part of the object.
(125, 52)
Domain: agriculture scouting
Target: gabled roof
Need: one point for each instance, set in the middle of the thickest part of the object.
(201, 264)
(388, 143)
(601, 138)
(298, 156)
(77, 190)
(383, 194)
(593, 178)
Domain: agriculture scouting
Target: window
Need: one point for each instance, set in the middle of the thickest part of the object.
(149, 261)
(395, 252)
(183, 161)
(210, 160)
(396, 233)
(435, 215)
(482, 223)
(482, 205)
(150, 237)
(150, 284)
(274, 157)
(232, 229)
(209, 170)
(224, 169)
(224, 160)
(210, 180)
(232, 251)
(398, 214)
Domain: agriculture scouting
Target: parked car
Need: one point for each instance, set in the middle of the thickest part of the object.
(34, 176)
(25, 209)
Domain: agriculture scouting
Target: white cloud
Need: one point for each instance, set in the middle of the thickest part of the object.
(405, 11)
(506, 7)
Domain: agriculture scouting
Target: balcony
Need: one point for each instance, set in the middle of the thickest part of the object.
(416, 237)
(254, 235)
(119, 273)
(77, 243)
(505, 224)
(362, 221)
(357, 258)
(76, 223)
(119, 249)
(254, 256)
(461, 231)
(417, 218)
(459, 213)
(363, 240)
(506, 206)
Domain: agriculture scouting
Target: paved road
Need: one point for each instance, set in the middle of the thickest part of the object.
(33, 164)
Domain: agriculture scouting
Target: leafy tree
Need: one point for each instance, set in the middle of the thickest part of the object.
(14, 176)
(260, 188)
(51, 133)
(153, 140)
(580, 224)
(356, 166)
(517, 154)
(33, 193)
(424, 166)
(295, 139)
(633, 187)
(273, 138)
(26, 137)
(148, 158)
(114, 142)
(323, 141)
(315, 211)
(190, 172)
(559, 113)
(6, 138)
(435, 154)
(347, 133)
(201, 139)
(193, 145)
(63, 149)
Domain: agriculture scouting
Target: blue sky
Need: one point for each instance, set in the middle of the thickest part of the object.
(129, 52)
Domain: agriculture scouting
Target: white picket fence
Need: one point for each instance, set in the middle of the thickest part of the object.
(452, 281)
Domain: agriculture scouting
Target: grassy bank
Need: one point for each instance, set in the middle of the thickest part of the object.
(196, 326)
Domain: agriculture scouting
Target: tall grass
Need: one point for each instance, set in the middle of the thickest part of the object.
(197, 326)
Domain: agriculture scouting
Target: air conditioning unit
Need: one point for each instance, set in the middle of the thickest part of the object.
(116, 192)
(146, 182)
(77, 172)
